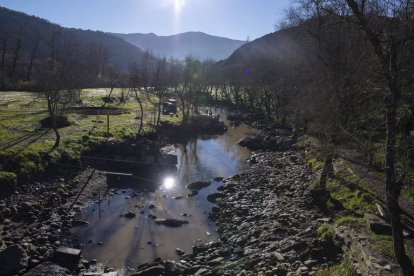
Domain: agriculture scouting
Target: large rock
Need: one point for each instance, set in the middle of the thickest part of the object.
(378, 225)
(171, 222)
(49, 269)
(198, 185)
(12, 259)
(216, 197)
(273, 139)
(67, 257)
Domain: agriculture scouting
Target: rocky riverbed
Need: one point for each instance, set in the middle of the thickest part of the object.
(266, 223)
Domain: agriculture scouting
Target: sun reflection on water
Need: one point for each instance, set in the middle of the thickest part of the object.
(168, 183)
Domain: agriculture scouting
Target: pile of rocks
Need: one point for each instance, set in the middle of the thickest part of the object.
(256, 120)
(34, 221)
(270, 139)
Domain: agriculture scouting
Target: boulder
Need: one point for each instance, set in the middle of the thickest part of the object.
(378, 225)
(67, 257)
(252, 143)
(216, 197)
(12, 259)
(198, 185)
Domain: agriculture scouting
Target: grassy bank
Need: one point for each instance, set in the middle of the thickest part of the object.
(26, 147)
(349, 198)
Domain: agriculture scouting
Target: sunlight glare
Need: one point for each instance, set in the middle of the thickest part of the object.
(169, 182)
(179, 5)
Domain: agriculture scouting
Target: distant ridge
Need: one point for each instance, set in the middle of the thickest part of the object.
(197, 44)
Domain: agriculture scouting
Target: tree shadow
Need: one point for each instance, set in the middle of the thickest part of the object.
(36, 134)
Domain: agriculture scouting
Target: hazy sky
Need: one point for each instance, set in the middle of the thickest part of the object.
(236, 19)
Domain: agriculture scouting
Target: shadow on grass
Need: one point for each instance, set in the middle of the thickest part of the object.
(36, 135)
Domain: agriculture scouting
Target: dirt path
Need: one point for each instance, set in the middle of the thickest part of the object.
(376, 184)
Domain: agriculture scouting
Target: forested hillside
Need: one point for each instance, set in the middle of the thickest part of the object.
(26, 41)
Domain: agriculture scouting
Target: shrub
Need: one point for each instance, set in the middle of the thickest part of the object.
(8, 181)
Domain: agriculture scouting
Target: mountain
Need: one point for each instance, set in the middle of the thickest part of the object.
(280, 45)
(197, 44)
(21, 31)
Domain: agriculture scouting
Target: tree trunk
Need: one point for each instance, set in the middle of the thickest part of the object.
(57, 134)
(3, 54)
(54, 124)
(392, 192)
(326, 171)
(32, 57)
(141, 122)
(159, 112)
(15, 58)
(183, 109)
(389, 65)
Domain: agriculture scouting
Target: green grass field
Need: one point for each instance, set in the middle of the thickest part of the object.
(23, 142)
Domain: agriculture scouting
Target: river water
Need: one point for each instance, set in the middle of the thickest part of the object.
(122, 242)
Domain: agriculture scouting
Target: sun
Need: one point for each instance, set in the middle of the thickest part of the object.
(179, 5)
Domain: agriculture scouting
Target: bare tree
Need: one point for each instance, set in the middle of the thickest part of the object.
(60, 78)
(388, 26)
(33, 56)
(137, 82)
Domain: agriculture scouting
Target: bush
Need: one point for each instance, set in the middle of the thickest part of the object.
(8, 181)
(325, 231)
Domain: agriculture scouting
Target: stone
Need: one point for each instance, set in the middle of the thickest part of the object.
(171, 222)
(152, 271)
(179, 251)
(216, 261)
(12, 259)
(378, 225)
(67, 256)
(77, 222)
(324, 220)
(49, 269)
(279, 256)
(130, 215)
(215, 197)
(198, 185)
(201, 271)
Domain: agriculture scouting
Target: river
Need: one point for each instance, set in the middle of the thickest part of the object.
(124, 243)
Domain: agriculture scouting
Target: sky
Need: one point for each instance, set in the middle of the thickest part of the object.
(237, 19)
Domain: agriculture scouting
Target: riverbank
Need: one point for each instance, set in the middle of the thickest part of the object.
(266, 224)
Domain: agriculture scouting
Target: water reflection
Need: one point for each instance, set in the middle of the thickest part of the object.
(129, 242)
(168, 183)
